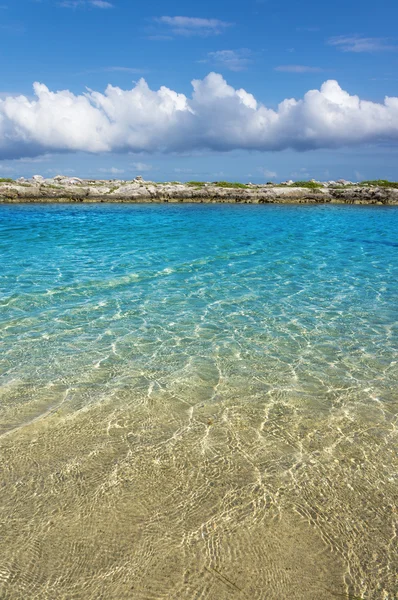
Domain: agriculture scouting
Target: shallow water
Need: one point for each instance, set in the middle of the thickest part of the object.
(198, 402)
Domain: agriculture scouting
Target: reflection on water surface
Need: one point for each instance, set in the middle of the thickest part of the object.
(198, 402)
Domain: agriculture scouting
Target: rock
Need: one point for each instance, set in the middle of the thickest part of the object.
(129, 188)
(73, 189)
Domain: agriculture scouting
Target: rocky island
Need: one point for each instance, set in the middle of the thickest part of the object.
(72, 189)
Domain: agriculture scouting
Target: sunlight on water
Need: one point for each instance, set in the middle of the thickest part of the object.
(198, 402)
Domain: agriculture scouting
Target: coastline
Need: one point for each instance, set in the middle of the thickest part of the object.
(139, 191)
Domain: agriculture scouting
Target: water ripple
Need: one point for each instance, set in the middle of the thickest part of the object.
(198, 402)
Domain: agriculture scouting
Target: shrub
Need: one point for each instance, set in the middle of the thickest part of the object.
(380, 183)
(307, 184)
(230, 184)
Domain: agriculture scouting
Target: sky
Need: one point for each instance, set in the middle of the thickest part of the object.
(175, 91)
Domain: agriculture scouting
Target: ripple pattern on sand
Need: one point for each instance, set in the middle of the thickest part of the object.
(198, 402)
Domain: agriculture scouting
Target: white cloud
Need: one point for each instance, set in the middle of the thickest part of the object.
(216, 117)
(190, 26)
(182, 171)
(234, 60)
(297, 69)
(101, 4)
(82, 3)
(112, 170)
(4, 95)
(140, 166)
(36, 159)
(357, 43)
(267, 173)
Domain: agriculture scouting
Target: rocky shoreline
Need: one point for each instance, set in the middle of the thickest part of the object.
(62, 189)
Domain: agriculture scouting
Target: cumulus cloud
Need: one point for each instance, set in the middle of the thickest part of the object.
(216, 116)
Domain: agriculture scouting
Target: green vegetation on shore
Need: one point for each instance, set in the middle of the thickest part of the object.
(315, 186)
(235, 184)
(306, 184)
(312, 185)
(380, 183)
(195, 183)
(222, 184)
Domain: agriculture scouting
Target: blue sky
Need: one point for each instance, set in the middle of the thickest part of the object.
(274, 51)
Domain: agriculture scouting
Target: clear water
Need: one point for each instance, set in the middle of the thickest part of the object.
(198, 402)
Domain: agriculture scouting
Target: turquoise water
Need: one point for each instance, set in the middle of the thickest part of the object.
(198, 401)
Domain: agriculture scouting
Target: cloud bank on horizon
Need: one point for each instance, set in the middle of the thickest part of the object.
(216, 117)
